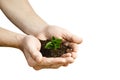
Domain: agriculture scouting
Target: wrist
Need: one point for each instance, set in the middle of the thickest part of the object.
(34, 25)
(20, 39)
(40, 27)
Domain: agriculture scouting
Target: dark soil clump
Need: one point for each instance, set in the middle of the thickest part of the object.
(52, 52)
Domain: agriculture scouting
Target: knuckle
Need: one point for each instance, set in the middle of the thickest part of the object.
(37, 67)
(37, 59)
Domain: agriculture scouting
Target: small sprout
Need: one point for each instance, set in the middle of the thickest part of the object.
(54, 43)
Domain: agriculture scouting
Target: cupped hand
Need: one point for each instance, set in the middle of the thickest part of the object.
(68, 38)
(31, 49)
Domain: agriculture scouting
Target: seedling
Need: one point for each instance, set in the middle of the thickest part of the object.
(53, 48)
(54, 43)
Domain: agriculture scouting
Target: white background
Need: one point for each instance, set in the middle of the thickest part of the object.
(96, 21)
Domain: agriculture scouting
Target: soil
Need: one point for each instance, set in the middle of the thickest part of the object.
(51, 52)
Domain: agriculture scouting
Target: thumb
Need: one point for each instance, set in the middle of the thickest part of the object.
(37, 56)
(72, 38)
(42, 36)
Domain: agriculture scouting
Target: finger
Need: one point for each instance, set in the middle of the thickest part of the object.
(74, 50)
(47, 64)
(63, 60)
(73, 46)
(55, 66)
(37, 67)
(73, 55)
(42, 36)
(65, 65)
(56, 61)
(66, 55)
(72, 38)
(51, 61)
(69, 60)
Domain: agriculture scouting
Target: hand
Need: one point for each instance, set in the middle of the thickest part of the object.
(69, 39)
(31, 47)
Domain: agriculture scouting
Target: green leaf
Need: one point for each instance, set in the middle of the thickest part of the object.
(49, 45)
(54, 43)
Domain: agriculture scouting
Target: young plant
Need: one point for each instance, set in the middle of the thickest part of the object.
(54, 43)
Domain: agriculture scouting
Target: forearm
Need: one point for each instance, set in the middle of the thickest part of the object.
(10, 39)
(23, 16)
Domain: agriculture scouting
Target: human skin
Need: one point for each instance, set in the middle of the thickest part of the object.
(20, 13)
(23, 16)
(30, 47)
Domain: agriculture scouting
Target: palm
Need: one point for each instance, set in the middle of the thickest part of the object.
(30, 48)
